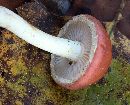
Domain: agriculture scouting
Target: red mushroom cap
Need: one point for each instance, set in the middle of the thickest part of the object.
(101, 60)
(99, 64)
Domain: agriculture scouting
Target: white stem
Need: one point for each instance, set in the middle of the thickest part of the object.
(59, 46)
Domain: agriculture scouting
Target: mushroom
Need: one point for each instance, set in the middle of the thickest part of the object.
(81, 52)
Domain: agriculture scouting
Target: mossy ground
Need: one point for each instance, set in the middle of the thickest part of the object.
(25, 79)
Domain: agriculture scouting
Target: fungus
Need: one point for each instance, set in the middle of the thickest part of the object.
(81, 52)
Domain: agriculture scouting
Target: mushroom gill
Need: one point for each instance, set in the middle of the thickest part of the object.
(79, 29)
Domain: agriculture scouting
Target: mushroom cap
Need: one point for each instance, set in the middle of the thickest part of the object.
(97, 54)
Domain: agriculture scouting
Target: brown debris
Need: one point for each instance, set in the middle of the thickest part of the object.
(124, 24)
(126, 9)
(124, 27)
(77, 5)
(11, 4)
(33, 56)
(120, 47)
(59, 7)
(104, 10)
(37, 14)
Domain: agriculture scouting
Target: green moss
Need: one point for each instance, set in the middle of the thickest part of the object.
(115, 90)
(18, 89)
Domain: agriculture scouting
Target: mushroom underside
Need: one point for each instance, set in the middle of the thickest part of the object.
(65, 71)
